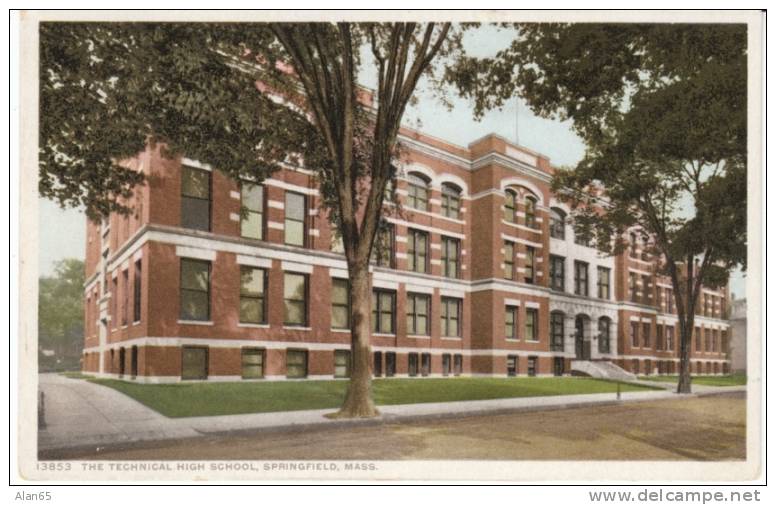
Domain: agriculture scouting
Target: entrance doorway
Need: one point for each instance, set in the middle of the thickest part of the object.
(582, 337)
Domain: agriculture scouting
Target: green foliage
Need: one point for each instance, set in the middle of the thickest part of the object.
(60, 312)
(107, 89)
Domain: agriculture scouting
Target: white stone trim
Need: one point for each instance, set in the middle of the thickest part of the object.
(276, 204)
(452, 293)
(415, 288)
(384, 284)
(290, 266)
(233, 216)
(338, 273)
(254, 261)
(533, 305)
(195, 323)
(196, 253)
(275, 225)
(235, 195)
(196, 164)
(511, 302)
(429, 229)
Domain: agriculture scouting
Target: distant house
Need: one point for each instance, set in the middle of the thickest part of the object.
(738, 335)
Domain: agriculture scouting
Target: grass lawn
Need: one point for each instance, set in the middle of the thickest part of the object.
(211, 399)
(703, 380)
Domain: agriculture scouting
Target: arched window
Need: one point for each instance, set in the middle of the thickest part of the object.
(530, 212)
(451, 201)
(604, 334)
(557, 223)
(556, 330)
(417, 196)
(510, 204)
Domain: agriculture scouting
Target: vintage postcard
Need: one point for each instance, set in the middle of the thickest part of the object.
(390, 246)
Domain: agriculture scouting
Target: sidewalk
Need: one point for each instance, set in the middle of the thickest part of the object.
(79, 414)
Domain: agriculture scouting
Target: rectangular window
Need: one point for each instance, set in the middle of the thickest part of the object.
(195, 198)
(604, 330)
(425, 364)
(412, 365)
(633, 287)
(451, 249)
(557, 273)
(670, 300)
(253, 286)
(383, 248)
(446, 365)
(580, 278)
(532, 324)
(296, 364)
(532, 362)
(634, 333)
(698, 337)
(294, 299)
(252, 211)
(294, 227)
(451, 201)
(646, 286)
(417, 251)
(509, 260)
(377, 368)
(646, 329)
(558, 367)
(114, 302)
(604, 275)
(669, 338)
(390, 364)
(417, 194)
(252, 363)
(125, 291)
(457, 364)
(418, 308)
(510, 322)
(138, 291)
(383, 311)
(195, 290)
(556, 331)
(194, 363)
(451, 317)
(511, 365)
(341, 364)
(340, 303)
(707, 334)
(659, 337)
(724, 343)
(530, 264)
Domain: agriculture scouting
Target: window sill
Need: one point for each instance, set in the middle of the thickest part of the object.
(197, 323)
(532, 341)
(419, 336)
(451, 338)
(135, 323)
(383, 334)
(340, 330)
(252, 325)
(298, 328)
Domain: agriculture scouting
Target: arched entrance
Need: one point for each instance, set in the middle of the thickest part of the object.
(582, 337)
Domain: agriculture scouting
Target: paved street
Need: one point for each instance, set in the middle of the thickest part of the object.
(706, 429)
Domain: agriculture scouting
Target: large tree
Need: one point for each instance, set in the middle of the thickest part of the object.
(245, 98)
(61, 315)
(662, 111)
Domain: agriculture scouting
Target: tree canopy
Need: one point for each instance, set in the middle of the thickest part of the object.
(662, 111)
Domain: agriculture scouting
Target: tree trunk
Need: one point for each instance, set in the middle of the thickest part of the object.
(358, 400)
(684, 386)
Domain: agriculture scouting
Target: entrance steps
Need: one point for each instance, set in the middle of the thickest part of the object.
(601, 370)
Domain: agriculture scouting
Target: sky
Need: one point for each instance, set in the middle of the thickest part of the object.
(63, 232)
